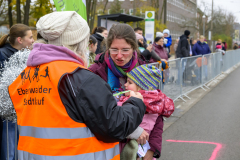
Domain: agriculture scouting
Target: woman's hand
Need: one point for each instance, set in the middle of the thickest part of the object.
(143, 137)
(136, 95)
(149, 155)
(149, 48)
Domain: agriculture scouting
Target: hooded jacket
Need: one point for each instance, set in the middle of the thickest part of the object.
(201, 49)
(100, 40)
(5, 53)
(183, 49)
(88, 99)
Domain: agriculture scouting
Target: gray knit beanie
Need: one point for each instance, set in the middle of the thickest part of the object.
(63, 28)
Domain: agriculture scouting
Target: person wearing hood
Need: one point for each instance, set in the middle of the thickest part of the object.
(145, 79)
(64, 110)
(20, 37)
(100, 33)
(167, 36)
(201, 48)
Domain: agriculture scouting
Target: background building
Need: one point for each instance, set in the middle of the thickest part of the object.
(178, 11)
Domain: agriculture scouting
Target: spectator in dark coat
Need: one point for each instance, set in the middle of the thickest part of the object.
(20, 37)
(100, 33)
(183, 49)
(201, 48)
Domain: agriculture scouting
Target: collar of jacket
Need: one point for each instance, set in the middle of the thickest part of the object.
(157, 46)
(7, 50)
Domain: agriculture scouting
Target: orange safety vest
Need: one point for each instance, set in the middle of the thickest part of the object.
(46, 132)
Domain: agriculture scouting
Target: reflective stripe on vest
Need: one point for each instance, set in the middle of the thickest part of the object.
(46, 132)
(110, 154)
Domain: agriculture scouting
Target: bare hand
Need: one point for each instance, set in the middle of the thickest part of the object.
(143, 137)
(149, 155)
(149, 48)
(136, 95)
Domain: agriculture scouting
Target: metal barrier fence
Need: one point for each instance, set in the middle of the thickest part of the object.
(188, 74)
(182, 77)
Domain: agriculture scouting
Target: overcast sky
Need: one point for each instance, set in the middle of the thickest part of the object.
(229, 5)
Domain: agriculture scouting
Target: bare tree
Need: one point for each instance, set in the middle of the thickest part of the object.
(222, 21)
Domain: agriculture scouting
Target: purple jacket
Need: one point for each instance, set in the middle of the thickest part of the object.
(161, 52)
(155, 138)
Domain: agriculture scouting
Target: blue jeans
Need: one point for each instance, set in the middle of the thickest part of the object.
(11, 141)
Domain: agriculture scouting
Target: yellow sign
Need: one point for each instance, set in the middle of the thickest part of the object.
(149, 15)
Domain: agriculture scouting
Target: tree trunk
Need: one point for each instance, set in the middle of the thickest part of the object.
(93, 12)
(165, 12)
(105, 6)
(18, 12)
(10, 13)
(162, 12)
(88, 5)
(26, 12)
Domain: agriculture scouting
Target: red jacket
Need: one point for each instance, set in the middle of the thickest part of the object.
(155, 101)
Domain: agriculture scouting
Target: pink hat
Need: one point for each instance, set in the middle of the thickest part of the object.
(138, 36)
(219, 47)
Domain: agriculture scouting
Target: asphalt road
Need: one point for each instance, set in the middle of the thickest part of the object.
(210, 130)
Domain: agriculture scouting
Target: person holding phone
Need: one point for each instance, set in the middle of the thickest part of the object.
(146, 51)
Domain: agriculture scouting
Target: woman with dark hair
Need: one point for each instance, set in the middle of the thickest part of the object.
(20, 37)
(100, 33)
(159, 49)
(112, 66)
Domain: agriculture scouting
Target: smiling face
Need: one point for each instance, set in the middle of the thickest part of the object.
(130, 85)
(119, 58)
(26, 41)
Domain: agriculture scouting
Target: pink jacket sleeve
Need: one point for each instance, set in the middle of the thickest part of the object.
(155, 138)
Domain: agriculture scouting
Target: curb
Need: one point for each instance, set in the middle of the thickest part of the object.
(182, 107)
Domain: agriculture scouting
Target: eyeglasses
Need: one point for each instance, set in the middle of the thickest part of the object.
(123, 51)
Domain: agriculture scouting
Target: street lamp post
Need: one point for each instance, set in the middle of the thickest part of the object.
(204, 25)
